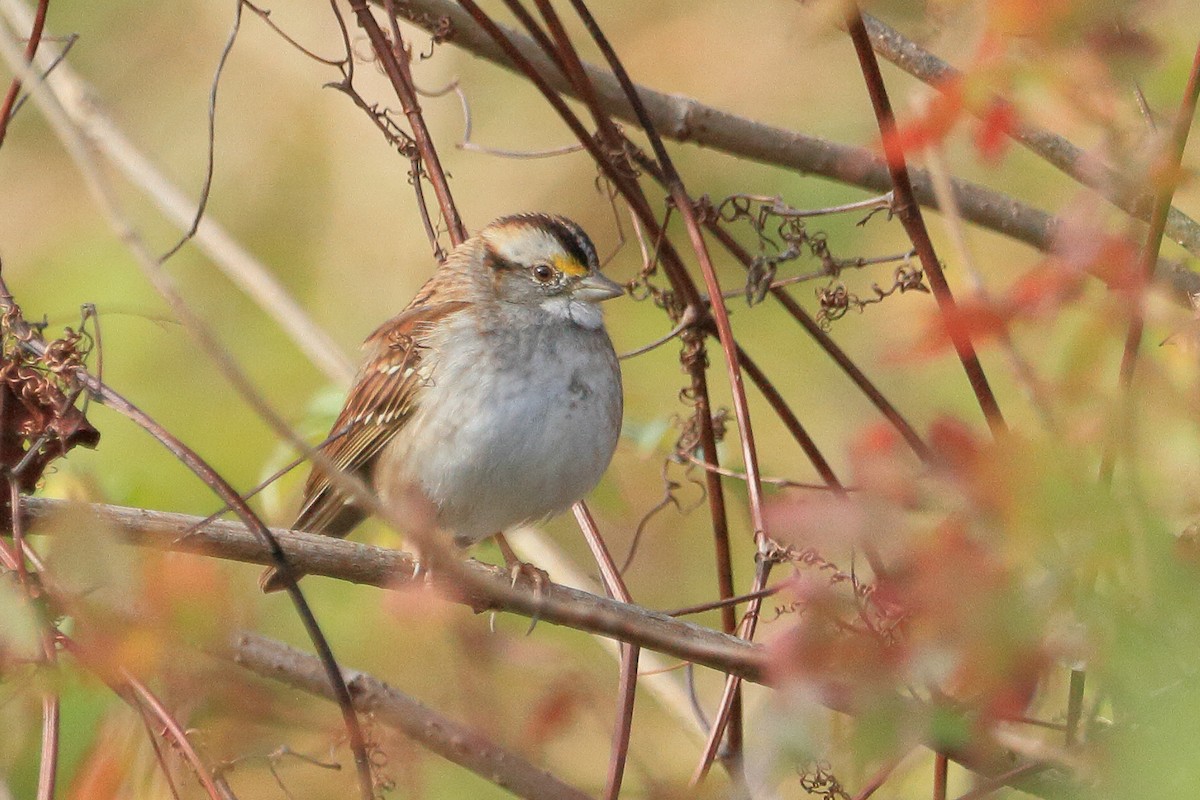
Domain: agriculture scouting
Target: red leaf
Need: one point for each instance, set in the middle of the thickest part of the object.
(995, 129)
(932, 126)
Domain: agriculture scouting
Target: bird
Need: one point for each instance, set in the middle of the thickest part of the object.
(495, 394)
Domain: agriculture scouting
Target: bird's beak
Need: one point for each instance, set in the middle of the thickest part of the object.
(596, 288)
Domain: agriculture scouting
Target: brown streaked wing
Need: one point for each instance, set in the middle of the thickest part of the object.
(383, 397)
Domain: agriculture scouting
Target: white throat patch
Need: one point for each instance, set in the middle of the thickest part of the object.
(585, 315)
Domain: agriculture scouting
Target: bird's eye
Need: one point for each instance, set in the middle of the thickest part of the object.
(543, 273)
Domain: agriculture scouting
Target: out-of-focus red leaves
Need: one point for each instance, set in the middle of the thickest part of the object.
(879, 463)
(949, 616)
(1043, 290)
(1081, 251)
(995, 130)
(931, 127)
(955, 446)
(553, 712)
(972, 318)
(830, 650)
(946, 619)
(106, 765)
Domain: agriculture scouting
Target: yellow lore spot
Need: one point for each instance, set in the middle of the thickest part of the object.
(569, 266)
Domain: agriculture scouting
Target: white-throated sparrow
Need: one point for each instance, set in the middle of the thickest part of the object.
(496, 393)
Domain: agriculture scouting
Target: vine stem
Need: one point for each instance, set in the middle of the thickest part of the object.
(401, 80)
(909, 213)
(14, 88)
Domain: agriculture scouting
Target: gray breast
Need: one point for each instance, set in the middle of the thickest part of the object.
(513, 426)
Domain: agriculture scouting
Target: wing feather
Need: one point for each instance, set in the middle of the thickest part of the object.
(382, 400)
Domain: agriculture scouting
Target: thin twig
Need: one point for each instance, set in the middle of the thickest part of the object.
(1166, 168)
(627, 685)
(783, 483)
(914, 223)
(790, 421)
(941, 766)
(1074, 705)
(210, 155)
(401, 79)
(14, 88)
(700, 608)
(79, 100)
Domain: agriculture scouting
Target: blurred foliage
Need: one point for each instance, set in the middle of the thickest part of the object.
(1010, 561)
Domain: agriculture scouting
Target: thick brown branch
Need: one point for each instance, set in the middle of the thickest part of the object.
(440, 734)
(377, 566)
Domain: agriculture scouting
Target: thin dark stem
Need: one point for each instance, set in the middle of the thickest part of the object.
(398, 73)
(715, 490)
(831, 348)
(732, 682)
(909, 212)
(627, 683)
(724, 602)
(202, 204)
(790, 421)
(1165, 191)
(941, 771)
(14, 88)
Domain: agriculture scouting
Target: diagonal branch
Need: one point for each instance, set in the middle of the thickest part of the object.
(491, 587)
(914, 224)
(448, 738)
(1050, 147)
(84, 107)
